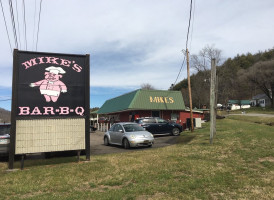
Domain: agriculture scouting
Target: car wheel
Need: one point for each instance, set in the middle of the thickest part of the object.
(175, 131)
(106, 142)
(126, 144)
(149, 146)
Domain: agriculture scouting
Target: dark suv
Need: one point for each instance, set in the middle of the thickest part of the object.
(156, 125)
(4, 138)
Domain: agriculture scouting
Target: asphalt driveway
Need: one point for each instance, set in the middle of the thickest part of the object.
(97, 144)
(97, 147)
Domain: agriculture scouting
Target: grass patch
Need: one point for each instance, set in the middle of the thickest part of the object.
(259, 120)
(239, 165)
(252, 110)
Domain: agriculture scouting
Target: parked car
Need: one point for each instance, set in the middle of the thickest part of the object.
(156, 125)
(4, 138)
(92, 128)
(128, 134)
(102, 120)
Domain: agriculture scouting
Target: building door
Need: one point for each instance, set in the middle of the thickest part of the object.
(155, 113)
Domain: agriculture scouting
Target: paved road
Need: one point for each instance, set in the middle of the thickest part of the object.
(98, 147)
(254, 114)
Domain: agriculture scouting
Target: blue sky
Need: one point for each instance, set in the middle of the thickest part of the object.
(135, 42)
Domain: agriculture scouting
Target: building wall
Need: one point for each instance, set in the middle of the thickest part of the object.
(165, 114)
(185, 114)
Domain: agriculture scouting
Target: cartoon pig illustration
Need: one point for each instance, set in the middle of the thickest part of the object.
(51, 86)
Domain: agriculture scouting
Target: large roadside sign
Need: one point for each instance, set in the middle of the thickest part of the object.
(50, 103)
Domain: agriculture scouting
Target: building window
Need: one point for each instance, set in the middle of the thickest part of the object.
(155, 113)
(174, 117)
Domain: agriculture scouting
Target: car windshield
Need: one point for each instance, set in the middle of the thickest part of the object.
(133, 128)
(161, 120)
(4, 130)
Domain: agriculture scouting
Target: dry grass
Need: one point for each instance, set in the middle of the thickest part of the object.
(239, 165)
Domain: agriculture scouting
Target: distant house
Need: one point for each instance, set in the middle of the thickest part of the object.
(260, 100)
(238, 104)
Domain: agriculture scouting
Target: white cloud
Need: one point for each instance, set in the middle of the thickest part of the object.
(134, 42)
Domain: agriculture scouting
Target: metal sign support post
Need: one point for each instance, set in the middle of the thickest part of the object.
(13, 111)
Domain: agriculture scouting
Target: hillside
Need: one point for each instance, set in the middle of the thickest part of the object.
(232, 84)
(4, 115)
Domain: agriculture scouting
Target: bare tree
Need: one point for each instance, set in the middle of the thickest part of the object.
(202, 61)
(261, 75)
(147, 86)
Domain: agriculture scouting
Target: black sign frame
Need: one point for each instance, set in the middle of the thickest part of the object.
(77, 112)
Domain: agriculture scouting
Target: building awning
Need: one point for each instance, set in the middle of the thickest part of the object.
(144, 100)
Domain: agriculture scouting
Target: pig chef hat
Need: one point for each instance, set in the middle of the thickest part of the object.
(56, 70)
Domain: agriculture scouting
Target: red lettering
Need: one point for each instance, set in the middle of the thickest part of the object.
(64, 110)
(36, 111)
(29, 63)
(79, 111)
(52, 60)
(47, 110)
(41, 60)
(65, 62)
(77, 68)
(24, 111)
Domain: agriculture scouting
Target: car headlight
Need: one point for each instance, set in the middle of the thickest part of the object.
(132, 136)
(151, 135)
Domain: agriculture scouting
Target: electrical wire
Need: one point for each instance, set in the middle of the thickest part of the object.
(6, 25)
(33, 41)
(192, 25)
(13, 23)
(180, 70)
(25, 25)
(189, 22)
(38, 24)
(5, 99)
(18, 26)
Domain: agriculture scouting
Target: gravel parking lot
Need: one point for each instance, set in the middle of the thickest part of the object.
(98, 147)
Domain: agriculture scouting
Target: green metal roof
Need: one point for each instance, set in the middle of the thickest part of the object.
(239, 102)
(144, 100)
(94, 112)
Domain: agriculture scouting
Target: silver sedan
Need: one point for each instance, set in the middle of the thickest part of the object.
(128, 135)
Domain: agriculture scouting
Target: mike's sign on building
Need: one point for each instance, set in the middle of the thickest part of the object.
(50, 102)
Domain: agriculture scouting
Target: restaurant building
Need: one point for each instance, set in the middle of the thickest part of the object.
(168, 105)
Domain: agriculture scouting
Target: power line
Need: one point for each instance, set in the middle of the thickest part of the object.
(33, 41)
(18, 25)
(5, 99)
(38, 23)
(180, 70)
(192, 24)
(25, 25)
(189, 21)
(6, 25)
(13, 23)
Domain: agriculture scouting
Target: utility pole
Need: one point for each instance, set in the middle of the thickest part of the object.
(213, 100)
(189, 92)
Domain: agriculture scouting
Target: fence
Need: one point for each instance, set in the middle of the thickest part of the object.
(102, 126)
